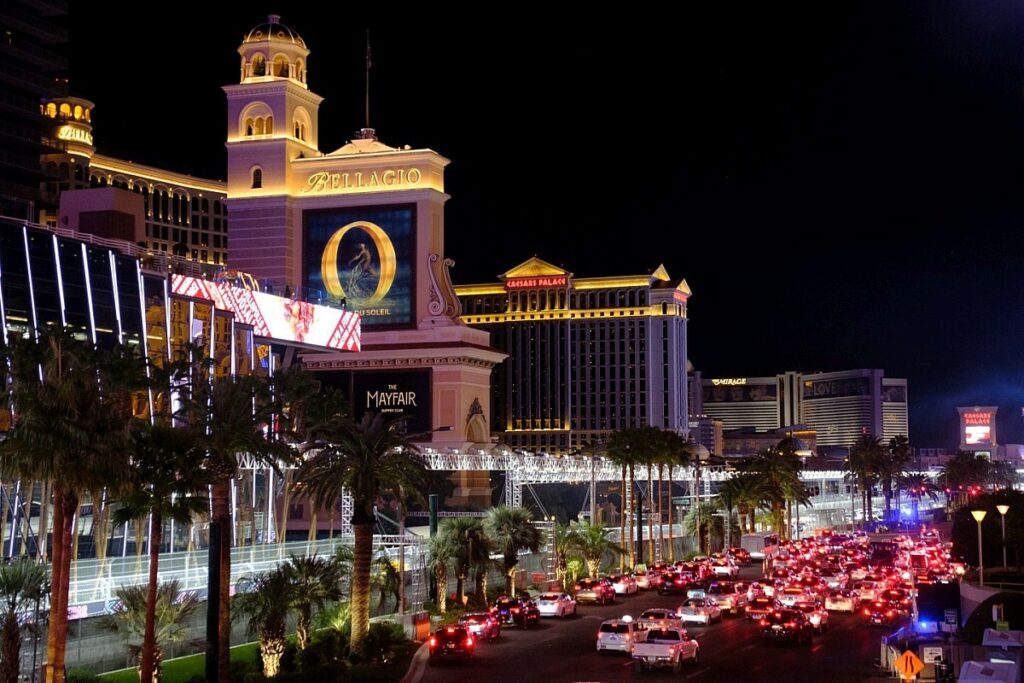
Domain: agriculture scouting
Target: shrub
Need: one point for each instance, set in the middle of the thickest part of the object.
(81, 676)
(381, 641)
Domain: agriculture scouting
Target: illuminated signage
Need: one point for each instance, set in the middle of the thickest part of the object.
(532, 282)
(978, 435)
(978, 418)
(274, 317)
(362, 258)
(328, 182)
(729, 381)
(74, 134)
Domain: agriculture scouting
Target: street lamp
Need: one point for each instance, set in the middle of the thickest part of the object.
(979, 515)
(1003, 509)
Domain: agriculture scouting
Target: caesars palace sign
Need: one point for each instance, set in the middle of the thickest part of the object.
(328, 182)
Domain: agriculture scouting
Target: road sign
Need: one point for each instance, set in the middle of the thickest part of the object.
(930, 655)
(909, 665)
(950, 616)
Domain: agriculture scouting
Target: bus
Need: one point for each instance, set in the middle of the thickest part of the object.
(761, 545)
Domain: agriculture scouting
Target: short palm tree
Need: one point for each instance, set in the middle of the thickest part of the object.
(166, 482)
(439, 556)
(365, 457)
(173, 611)
(263, 601)
(22, 583)
(592, 542)
(387, 580)
(469, 548)
(512, 530)
(562, 541)
(315, 581)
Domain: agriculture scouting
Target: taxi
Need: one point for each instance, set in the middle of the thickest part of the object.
(619, 635)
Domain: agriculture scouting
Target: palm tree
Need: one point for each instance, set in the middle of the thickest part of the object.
(438, 556)
(263, 600)
(227, 416)
(174, 610)
(469, 548)
(315, 581)
(779, 474)
(919, 486)
(364, 457)
(703, 523)
(22, 583)
(72, 412)
(592, 541)
(866, 456)
(895, 458)
(165, 485)
(562, 543)
(676, 453)
(512, 530)
(634, 446)
(729, 494)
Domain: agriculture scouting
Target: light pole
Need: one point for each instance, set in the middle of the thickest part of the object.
(979, 515)
(1003, 509)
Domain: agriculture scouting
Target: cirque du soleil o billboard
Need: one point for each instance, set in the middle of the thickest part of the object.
(362, 257)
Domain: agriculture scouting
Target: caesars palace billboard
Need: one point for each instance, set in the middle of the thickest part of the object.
(363, 257)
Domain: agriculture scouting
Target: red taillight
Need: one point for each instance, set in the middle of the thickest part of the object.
(450, 629)
(763, 623)
(890, 613)
(790, 624)
(433, 642)
(515, 610)
(867, 612)
(469, 642)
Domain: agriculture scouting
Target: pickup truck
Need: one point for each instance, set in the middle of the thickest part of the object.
(665, 647)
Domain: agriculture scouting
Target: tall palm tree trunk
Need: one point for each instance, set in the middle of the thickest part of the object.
(147, 666)
(633, 544)
(661, 518)
(44, 520)
(60, 618)
(56, 581)
(441, 574)
(671, 518)
(222, 516)
(10, 635)
(623, 514)
(650, 515)
(361, 560)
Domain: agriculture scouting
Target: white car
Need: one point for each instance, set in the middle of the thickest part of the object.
(643, 579)
(866, 591)
(624, 584)
(619, 635)
(699, 611)
(725, 568)
(839, 601)
(834, 580)
(665, 648)
(788, 597)
(556, 605)
(660, 617)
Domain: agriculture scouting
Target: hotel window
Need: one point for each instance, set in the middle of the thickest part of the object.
(257, 178)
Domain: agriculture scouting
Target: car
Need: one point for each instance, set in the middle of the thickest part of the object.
(740, 556)
(725, 567)
(665, 647)
(624, 584)
(898, 599)
(619, 635)
(699, 611)
(481, 625)
(556, 605)
(840, 601)
(643, 579)
(787, 624)
(760, 606)
(818, 616)
(728, 596)
(878, 613)
(835, 580)
(451, 642)
(518, 611)
(788, 597)
(595, 590)
(659, 616)
(866, 591)
(675, 582)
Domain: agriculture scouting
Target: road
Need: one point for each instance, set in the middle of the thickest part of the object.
(731, 650)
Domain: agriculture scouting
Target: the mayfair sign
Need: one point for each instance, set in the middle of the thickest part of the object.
(329, 182)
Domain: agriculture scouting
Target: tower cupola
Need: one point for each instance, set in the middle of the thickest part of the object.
(271, 51)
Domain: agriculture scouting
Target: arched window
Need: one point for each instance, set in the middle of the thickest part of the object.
(258, 129)
(79, 172)
(270, 125)
(51, 110)
(281, 66)
(78, 112)
(88, 115)
(257, 178)
(298, 130)
(65, 109)
(300, 70)
(259, 65)
(249, 129)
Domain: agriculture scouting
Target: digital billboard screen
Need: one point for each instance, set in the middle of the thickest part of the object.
(395, 394)
(978, 426)
(363, 257)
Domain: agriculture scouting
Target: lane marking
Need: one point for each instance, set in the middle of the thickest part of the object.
(698, 672)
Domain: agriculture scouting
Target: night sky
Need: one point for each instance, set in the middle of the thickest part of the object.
(841, 187)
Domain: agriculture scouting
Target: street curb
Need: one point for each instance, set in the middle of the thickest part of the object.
(417, 666)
